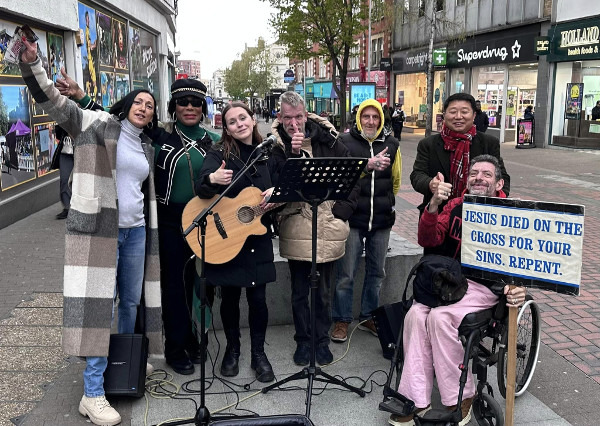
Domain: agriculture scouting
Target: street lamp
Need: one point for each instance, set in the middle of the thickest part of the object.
(369, 47)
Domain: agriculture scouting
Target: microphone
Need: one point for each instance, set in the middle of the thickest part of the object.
(271, 140)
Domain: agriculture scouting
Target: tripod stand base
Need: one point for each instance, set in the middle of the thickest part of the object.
(312, 373)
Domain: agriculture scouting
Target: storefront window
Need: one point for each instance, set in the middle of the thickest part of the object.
(411, 91)
(522, 85)
(488, 87)
(457, 78)
(586, 72)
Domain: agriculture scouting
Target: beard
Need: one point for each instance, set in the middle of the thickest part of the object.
(487, 191)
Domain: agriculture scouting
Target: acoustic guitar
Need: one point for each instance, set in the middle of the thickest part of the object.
(232, 221)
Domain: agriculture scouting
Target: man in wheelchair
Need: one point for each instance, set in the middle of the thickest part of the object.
(430, 335)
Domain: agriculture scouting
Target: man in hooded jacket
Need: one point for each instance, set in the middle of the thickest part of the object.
(304, 135)
(372, 220)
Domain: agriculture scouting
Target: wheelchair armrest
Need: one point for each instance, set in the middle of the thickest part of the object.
(475, 321)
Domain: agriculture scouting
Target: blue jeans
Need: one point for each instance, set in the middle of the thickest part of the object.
(376, 245)
(131, 254)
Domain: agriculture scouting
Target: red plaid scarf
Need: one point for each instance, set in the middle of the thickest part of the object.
(460, 146)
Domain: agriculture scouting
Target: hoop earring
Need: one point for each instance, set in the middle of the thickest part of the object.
(174, 116)
(150, 125)
(121, 115)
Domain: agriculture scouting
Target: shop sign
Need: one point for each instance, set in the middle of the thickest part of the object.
(574, 100)
(499, 47)
(575, 41)
(410, 61)
(288, 76)
(439, 57)
(385, 64)
(542, 45)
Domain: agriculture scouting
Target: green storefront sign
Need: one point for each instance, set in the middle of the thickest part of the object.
(310, 93)
(575, 41)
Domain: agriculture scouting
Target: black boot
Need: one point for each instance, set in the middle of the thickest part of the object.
(230, 364)
(261, 365)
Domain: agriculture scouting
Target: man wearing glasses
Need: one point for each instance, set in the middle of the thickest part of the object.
(304, 135)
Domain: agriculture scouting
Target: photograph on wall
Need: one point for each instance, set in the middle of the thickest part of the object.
(107, 83)
(56, 55)
(15, 136)
(7, 31)
(105, 46)
(119, 36)
(144, 60)
(45, 145)
(37, 109)
(89, 52)
(122, 86)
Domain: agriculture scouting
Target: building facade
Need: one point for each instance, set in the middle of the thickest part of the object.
(189, 67)
(482, 47)
(571, 46)
(109, 47)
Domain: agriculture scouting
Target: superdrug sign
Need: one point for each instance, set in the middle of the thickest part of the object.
(500, 47)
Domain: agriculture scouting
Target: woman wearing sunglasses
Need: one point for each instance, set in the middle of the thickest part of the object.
(180, 147)
(180, 151)
(253, 267)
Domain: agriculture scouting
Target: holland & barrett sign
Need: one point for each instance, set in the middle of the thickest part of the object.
(575, 41)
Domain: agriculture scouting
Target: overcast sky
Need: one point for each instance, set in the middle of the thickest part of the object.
(215, 31)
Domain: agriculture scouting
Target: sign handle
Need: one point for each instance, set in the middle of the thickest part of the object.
(511, 365)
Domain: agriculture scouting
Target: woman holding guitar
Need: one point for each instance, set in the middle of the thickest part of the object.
(253, 266)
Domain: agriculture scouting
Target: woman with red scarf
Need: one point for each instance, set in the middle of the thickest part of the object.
(450, 151)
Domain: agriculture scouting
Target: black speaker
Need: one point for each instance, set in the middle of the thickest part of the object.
(125, 374)
(388, 319)
(282, 420)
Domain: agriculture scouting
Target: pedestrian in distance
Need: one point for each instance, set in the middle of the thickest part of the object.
(253, 267)
(528, 113)
(482, 121)
(371, 221)
(110, 244)
(398, 118)
(304, 135)
(596, 111)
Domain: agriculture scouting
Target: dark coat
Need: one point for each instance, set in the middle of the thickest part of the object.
(254, 263)
(481, 121)
(432, 158)
(376, 199)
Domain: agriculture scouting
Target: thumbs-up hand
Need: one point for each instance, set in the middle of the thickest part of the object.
(297, 139)
(221, 176)
(441, 192)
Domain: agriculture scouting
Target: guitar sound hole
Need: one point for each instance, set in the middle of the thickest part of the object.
(245, 214)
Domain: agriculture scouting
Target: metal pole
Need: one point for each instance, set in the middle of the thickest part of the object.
(369, 47)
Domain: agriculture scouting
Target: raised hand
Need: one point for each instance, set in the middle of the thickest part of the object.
(297, 139)
(442, 192)
(69, 87)
(29, 55)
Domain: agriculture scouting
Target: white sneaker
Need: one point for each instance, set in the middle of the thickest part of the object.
(99, 411)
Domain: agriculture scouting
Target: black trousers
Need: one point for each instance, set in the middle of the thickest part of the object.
(177, 279)
(66, 167)
(300, 277)
(398, 130)
(258, 314)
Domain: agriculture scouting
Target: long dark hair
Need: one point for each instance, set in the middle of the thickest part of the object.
(121, 109)
(226, 141)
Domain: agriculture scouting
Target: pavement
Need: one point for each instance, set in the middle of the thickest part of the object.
(40, 385)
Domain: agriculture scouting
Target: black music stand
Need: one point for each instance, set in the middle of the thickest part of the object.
(315, 180)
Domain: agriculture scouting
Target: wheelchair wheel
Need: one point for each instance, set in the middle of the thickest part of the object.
(528, 348)
(487, 411)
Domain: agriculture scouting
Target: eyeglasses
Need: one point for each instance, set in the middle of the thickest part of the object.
(196, 102)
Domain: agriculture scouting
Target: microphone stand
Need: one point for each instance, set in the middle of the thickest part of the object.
(203, 416)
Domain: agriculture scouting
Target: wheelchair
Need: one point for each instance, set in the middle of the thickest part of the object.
(484, 335)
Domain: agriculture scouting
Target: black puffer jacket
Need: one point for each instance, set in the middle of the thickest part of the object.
(376, 200)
